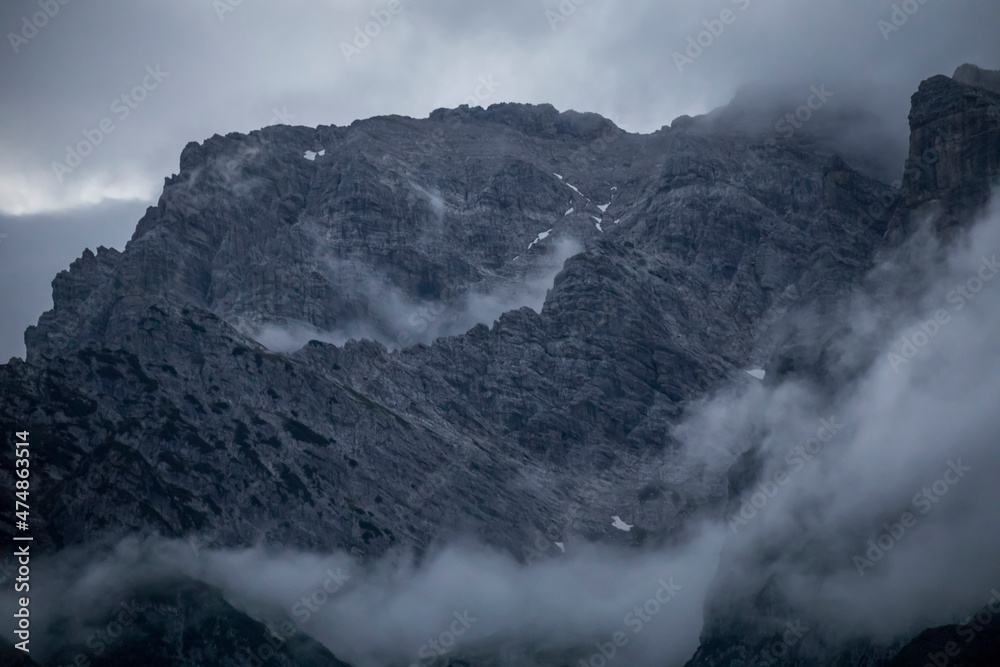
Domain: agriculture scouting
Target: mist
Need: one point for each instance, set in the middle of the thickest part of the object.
(397, 610)
(870, 512)
(873, 509)
(399, 321)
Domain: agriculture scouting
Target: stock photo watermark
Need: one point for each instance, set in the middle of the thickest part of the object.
(776, 652)
(122, 107)
(899, 17)
(440, 646)
(635, 620)
(795, 461)
(223, 7)
(562, 13)
(912, 170)
(787, 126)
(924, 501)
(968, 630)
(364, 34)
(280, 117)
(37, 21)
(699, 43)
(909, 345)
(303, 611)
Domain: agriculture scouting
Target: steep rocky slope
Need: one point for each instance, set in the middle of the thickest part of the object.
(953, 166)
(154, 408)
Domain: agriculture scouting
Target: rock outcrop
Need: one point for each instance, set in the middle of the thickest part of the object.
(954, 157)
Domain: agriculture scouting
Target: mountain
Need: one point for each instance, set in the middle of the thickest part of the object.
(319, 339)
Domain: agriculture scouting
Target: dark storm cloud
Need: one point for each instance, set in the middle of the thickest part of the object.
(241, 66)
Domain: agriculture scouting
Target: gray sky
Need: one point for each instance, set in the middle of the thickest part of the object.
(229, 66)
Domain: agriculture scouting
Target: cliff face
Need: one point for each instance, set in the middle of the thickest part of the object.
(953, 167)
(954, 149)
(687, 240)
(153, 408)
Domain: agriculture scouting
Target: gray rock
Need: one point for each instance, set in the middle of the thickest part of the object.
(153, 409)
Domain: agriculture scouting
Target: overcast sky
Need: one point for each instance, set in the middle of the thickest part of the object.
(206, 67)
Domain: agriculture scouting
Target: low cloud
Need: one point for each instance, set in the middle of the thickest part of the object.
(874, 507)
(644, 606)
(399, 321)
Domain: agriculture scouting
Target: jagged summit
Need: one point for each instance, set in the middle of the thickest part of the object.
(535, 298)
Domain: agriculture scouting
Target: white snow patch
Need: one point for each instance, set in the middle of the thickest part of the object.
(557, 176)
(309, 155)
(561, 546)
(568, 212)
(619, 524)
(757, 373)
(541, 236)
(618, 220)
(574, 188)
(322, 153)
(614, 188)
(604, 207)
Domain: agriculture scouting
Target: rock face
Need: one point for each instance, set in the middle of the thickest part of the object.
(954, 164)
(153, 408)
(688, 240)
(954, 148)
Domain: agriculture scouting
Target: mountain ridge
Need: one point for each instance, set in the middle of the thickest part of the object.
(557, 417)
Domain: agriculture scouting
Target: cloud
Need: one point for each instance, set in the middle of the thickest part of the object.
(398, 609)
(397, 320)
(904, 423)
(873, 508)
(840, 470)
(614, 59)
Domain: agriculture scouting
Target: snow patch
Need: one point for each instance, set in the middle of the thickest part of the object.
(310, 155)
(617, 220)
(557, 176)
(604, 207)
(619, 524)
(562, 547)
(574, 188)
(757, 373)
(568, 212)
(541, 237)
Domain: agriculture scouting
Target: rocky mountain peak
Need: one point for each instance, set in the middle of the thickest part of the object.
(481, 324)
